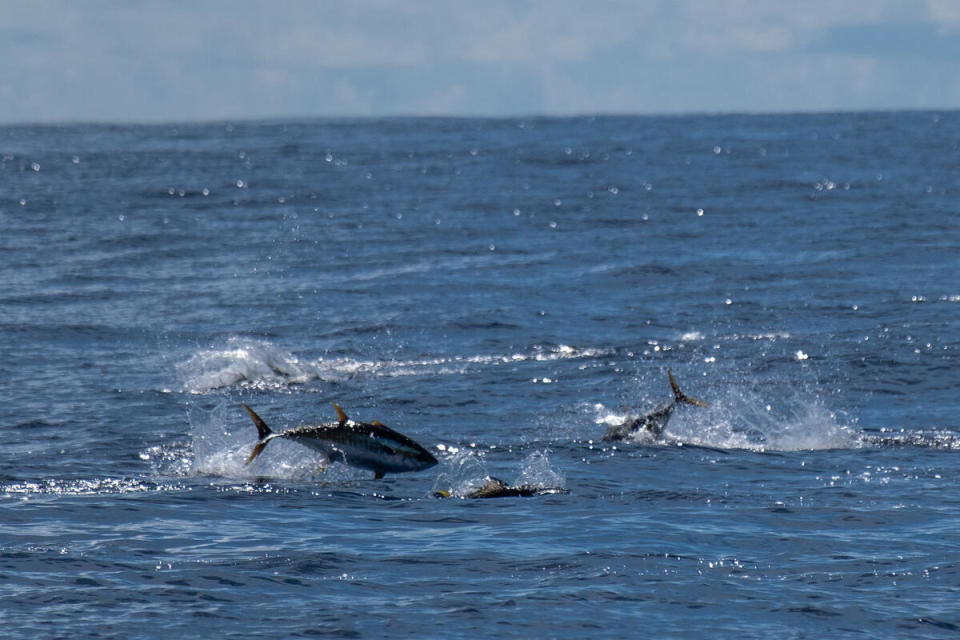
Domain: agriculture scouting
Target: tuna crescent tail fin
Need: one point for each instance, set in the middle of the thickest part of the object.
(263, 433)
(679, 396)
(257, 450)
(262, 429)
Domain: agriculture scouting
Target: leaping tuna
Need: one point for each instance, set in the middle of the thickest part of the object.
(372, 446)
(654, 422)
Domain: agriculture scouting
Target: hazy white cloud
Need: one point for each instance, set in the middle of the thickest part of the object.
(142, 60)
(944, 12)
(553, 31)
(350, 99)
(747, 25)
(453, 98)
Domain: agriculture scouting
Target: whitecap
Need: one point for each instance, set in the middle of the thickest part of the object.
(258, 364)
(251, 362)
(87, 487)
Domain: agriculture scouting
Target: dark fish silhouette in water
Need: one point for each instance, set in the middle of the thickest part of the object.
(496, 488)
(654, 422)
(372, 446)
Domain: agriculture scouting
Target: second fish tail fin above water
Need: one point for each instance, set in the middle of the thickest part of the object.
(263, 434)
(679, 396)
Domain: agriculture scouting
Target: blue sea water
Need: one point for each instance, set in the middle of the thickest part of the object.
(500, 290)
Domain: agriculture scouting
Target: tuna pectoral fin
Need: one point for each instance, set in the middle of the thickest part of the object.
(679, 396)
(257, 450)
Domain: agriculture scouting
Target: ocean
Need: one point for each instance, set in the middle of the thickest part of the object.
(501, 291)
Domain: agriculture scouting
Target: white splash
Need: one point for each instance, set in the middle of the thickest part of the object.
(465, 471)
(461, 472)
(222, 441)
(780, 420)
(536, 471)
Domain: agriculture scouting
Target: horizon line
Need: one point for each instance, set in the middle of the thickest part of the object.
(283, 119)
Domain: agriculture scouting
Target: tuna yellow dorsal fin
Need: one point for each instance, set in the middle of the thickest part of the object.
(377, 423)
(341, 416)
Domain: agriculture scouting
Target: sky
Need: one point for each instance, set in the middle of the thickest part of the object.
(201, 60)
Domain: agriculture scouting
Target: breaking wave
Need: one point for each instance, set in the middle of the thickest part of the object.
(928, 438)
(90, 487)
(247, 362)
(258, 364)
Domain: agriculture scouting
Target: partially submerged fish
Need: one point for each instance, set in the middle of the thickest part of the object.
(496, 488)
(372, 446)
(654, 422)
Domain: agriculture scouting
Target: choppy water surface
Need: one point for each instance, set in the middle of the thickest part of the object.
(501, 291)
